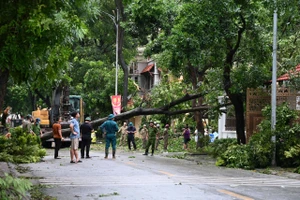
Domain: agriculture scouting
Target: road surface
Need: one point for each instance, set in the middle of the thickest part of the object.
(135, 176)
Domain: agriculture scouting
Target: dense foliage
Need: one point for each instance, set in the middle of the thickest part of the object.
(287, 133)
(17, 97)
(14, 188)
(258, 152)
(21, 147)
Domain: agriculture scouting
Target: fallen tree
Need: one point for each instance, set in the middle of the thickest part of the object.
(165, 110)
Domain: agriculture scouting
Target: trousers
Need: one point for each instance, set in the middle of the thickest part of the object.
(85, 145)
(130, 138)
(57, 142)
(110, 139)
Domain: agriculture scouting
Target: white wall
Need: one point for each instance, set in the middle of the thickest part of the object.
(222, 122)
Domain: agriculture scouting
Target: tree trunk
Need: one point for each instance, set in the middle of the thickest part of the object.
(125, 86)
(238, 103)
(32, 99)
(193, 71)
(122, 17)
(4, 74)
(240, 120)
(235, 97)
(46, 99)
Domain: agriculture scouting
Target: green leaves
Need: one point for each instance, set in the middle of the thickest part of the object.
(13, 188)
(36, 39)
(21, 147)
(168, 90)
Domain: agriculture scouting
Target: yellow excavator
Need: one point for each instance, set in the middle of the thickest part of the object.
(62, 107)
(75, 104)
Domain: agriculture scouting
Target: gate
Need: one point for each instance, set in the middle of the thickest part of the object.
(258, 98)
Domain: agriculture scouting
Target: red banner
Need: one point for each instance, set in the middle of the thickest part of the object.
(116, 104)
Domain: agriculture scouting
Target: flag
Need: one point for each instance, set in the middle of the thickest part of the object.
(116, 104)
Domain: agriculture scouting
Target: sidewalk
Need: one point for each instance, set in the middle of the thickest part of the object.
(202, 159)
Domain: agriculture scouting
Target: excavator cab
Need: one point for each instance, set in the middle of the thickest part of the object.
(76, 104)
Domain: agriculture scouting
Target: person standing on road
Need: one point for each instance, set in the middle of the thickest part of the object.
(123, 131)
(111, 128)
(186, 136)
(131, 130)
(144, 134)
(74, 136)
(152, 136)
(86, 130)
(57, 135)
(166, 136)
(36, 129)
(157, 136)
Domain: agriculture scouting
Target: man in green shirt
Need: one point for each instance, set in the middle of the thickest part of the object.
(36, 129)
(152, 131)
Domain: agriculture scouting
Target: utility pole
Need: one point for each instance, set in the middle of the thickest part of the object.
(274, 82)
(115, 21)
(117, 47)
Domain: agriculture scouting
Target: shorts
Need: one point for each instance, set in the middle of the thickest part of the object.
(186, 140)
(74, 143)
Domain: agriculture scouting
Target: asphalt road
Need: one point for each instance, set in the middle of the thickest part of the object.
(134, 176)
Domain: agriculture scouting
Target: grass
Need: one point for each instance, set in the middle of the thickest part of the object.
(37, 194)
(110, 194)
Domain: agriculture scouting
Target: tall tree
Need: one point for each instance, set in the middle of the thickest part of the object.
(95, 56)
(35, 39)
(214, 31)
(155, 23)
(121, 38)
(231, 36)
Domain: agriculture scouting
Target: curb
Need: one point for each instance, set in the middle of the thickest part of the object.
(5, 168)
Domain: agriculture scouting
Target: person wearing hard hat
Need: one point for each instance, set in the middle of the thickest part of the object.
(123, 131)
(36, 127)
(144, 134)
(110, 127)
(166, 136)
(131, 130)
(86, 130)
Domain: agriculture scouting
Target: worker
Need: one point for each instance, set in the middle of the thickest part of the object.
(110, 128)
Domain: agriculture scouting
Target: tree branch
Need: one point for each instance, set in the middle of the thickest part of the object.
(187, 97)
(141, 111)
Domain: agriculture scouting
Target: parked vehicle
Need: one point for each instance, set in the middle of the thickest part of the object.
(66, 106)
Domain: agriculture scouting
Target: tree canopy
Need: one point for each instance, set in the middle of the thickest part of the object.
(36, 39)
(220, 47)
(232, 38)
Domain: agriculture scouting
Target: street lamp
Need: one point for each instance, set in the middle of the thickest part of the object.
(115, 20)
